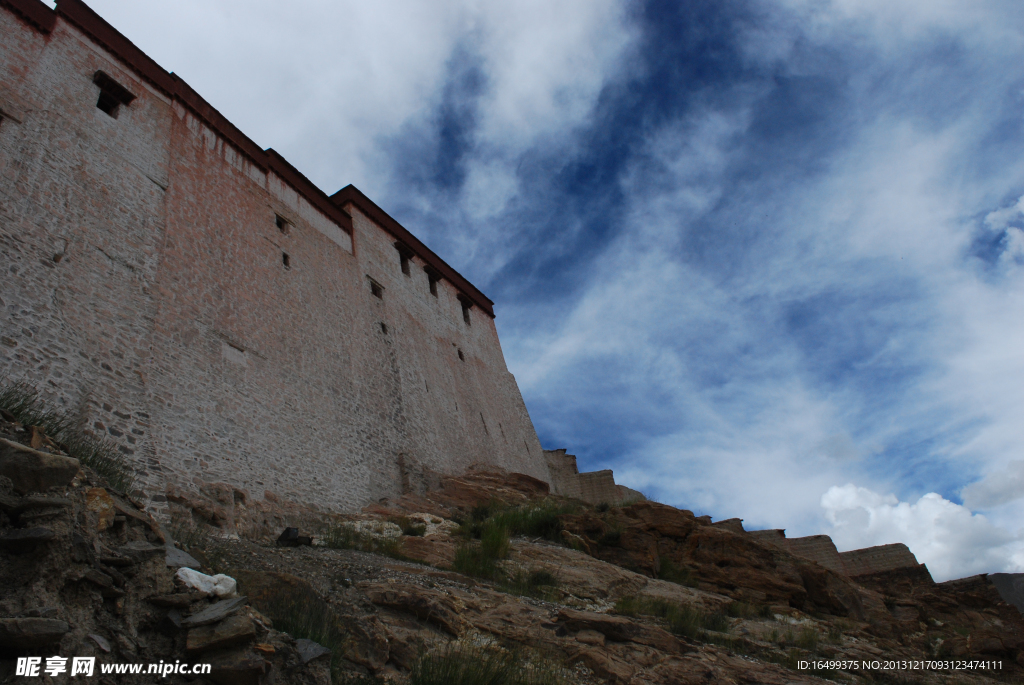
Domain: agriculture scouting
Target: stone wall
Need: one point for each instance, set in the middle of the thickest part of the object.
(564, 473)
(818, 548)
(1010, 587)
(877, 559)
(859, 562)
(593, 487)
(195, 299)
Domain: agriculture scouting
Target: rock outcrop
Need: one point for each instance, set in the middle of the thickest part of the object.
(635, 594)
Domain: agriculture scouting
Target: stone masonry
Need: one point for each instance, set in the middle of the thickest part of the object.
(195, 299)
(593, 487)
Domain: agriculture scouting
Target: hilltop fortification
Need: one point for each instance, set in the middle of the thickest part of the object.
(241, 334)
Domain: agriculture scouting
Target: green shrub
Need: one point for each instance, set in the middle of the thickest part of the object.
(667, 570)
(682, 620)
(807, 639)
(536, 583)
(101, 455)
(473, 665)
(536, 519)
(480, 559)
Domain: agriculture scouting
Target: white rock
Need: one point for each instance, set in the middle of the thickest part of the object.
(219, 585)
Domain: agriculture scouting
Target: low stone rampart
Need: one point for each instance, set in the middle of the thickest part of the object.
(858, 562)
(877, 559)
(593, 487)
(1010, 587)
(818, 548)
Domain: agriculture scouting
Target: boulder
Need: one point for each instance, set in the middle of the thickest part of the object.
(31, 633)
(177, 558)
(34, 471)
(25, 539)
(236, 667)
(177, 600)
(140, 550)
(309, 650)
(217, 611)
(231, 631)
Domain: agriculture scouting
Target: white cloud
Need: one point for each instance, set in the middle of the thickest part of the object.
(948, 537)
(323, 82)
(999, 487)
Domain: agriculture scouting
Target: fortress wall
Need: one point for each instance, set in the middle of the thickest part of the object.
(776, 537)
(565, 479)
(877, 559)
(818, 548)
(598, 487)
(171, 324)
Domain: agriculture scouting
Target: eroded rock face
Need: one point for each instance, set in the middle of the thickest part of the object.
(95, 581)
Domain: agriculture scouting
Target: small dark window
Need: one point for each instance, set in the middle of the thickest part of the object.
(286, 260)
(405, 255)
(432, 278)
(461, 356)
(467, 304)
(377, 289)
(108, 105)
(282, 224)
(383, 328)
(112, 94)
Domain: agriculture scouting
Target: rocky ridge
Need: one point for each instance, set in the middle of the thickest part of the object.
(636, 594)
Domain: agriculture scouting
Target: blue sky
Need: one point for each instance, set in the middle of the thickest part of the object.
(763, 258)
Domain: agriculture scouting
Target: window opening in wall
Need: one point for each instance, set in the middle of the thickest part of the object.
(404, 255)
(467, 304)
(376, 289)
(282, 224)
(112, 94)
(461, 356)
(485, 423)
(383, 328)
(286, 260)
(432, 278)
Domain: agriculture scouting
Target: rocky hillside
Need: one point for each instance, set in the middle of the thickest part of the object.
(484, 576)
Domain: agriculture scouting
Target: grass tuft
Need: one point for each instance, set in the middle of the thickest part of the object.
(480, 559)
(345, 535)
(667, 570)
(302, 613)
(537, 519)
(537, 583)
(682, 620)
(474, 665)
(101, 455)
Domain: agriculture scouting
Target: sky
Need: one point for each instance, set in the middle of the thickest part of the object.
(763, 258)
